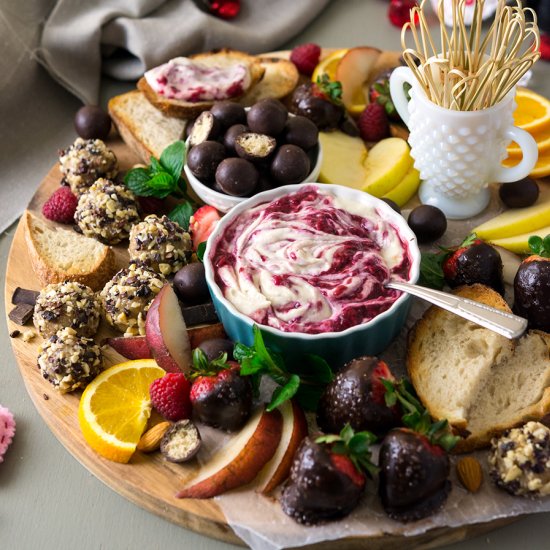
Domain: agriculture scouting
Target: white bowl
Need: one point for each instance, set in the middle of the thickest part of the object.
(223, 202)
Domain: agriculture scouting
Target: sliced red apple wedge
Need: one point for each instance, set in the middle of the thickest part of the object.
(238, 462)
(131, 347)
(278, 468)
(166, 332)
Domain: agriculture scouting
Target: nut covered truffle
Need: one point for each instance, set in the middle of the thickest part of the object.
(85, 161)
(126, 298)
(520, 460)
(161, 244)
(69, 361)
(68, 304)
(107, 211)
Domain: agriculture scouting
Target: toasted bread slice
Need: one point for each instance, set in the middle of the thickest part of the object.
(145, 129)
(59, 255)
(186, 109)
(481, 382)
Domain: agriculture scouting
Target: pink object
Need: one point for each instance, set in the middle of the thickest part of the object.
(7, 430)
(399, 12)
(226, 9)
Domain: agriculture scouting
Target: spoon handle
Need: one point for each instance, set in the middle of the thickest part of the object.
(506, 324)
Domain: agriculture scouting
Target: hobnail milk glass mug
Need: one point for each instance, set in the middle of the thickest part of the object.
(458, 153)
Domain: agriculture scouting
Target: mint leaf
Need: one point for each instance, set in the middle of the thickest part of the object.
(540, 246)
(161, 185)
(156, 167)
(314, 367)
(201, 249)
(431, 270)
(137, 180)
(284, 393)
(172, 159)
(181, 214)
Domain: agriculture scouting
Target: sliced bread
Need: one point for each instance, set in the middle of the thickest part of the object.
(220, 58)
(59, 255)
(145, 129)
(479, 381)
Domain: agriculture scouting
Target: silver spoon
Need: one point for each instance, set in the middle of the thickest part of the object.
(506, 324)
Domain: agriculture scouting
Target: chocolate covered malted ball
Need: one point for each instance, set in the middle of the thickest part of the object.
(236, 176)
(300, 131)
(190, 283)
(290, 165)
(228, 113)
(519, 194)
(231, 135)
(255, 147)
(205, 128)
(427, 222)
(268, 116)
(393, 205)
(204, 158)
(92, 122)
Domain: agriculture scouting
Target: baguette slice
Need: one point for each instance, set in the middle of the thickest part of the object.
(145, 129)
(59, 255)
(186, 109)
(478, 380)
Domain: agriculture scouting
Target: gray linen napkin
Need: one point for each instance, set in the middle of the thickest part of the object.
(135, 36)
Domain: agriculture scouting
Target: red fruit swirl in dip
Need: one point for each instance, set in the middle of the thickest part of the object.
(182, 78)
(310, 262)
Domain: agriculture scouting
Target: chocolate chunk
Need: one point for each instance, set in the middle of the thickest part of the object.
(24, 296)
(21, 314)
(15, 333)
(200, 314)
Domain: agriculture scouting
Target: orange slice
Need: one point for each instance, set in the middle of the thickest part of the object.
(328, 65)
(541, 169)
(115, 406)
(533, 111)
(542, 137)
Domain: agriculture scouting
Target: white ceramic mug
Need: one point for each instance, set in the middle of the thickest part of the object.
(458, 153)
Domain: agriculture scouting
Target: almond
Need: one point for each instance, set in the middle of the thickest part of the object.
(470, 473)
(150, 440)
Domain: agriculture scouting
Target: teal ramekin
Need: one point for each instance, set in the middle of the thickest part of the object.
(337, 348)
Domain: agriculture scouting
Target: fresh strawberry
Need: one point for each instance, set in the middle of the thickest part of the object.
(414, 464)
(356, 396)
(373, 123)
(170, 396)
(306, 57)
(328, 476)
(202, 223)
(532, 285)
(61, 206)
(474, 261)
(220, 396)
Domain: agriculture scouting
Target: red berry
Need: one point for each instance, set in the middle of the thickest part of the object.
(226, 9)
(170, 396)
(399, 12)
(344, 464)
(202, 223)
(61, 206)
(306, 57)
(373, 123)
(545, 47)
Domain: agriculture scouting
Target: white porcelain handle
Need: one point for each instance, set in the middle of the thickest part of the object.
(530, 152)
(398, 77)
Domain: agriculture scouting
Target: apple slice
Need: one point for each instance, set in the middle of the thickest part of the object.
(278, 468)
(405, 189)
(386, 165)
(520, 243)
(239, 462)
(343, 159)
(353, 71)
(166, 332)
(131, 347)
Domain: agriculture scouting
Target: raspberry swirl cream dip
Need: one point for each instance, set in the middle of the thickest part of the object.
(184, 79)
(310, 262)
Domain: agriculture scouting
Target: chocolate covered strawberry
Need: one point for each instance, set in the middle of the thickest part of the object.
(474, 261)
(532, 285)
(356, 396)
(328, 477)
(220, 396)
(413, 461)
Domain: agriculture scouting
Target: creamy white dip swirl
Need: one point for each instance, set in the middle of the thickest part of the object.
(310, 262)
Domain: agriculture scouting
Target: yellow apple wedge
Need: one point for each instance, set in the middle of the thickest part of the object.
(278, 468)
(238, 462)
(519, 243)
(518, 221)
(343, 159)
(386, 165)
(405, 189)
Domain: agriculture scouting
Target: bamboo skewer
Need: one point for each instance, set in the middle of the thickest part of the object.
(470, 73)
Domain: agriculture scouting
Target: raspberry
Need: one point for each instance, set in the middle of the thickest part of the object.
(306, 57)
(61, 206)
(170, 396)
(373, 123)
(545, 47)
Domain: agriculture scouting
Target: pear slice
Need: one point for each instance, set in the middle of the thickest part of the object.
(343, 159)
(386, 165)
(519, 243)
(405, 189)
(518, 221)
